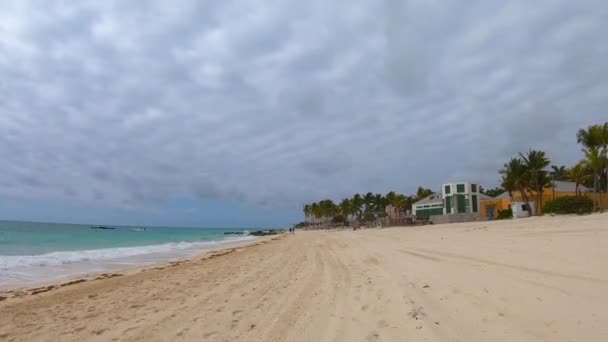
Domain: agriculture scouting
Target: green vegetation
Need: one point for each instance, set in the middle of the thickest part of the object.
(505, 214)
(569, 205)
(559, 173)
(527, 175)
(595, 142)
(579, 174)
(491, 192)
(367, 208)
(528, 172)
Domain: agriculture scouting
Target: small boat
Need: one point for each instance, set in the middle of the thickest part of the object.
(139, 229)
(102, 227)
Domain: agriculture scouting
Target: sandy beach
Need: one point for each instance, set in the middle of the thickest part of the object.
(537, 279)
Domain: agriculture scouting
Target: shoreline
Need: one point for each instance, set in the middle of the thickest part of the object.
(18, 291)
(479, 281)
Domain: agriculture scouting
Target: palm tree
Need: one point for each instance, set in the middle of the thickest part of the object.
(315, 212)
(423, 193)
(346, 209)
(604, 144)
(596, 136)
(596, 162)
(579, 174)
(515, 177)
(368, 201)
(380, 204)
(558, 173)
(306, 212)
(535, 163)
(357, 202)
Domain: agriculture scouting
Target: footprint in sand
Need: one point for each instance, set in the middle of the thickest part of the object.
(181, 333)
(209, 334)
(373, 336)
(98, 331)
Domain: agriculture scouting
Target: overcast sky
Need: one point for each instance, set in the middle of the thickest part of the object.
(220, 113)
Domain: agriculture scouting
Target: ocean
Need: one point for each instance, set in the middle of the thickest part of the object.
(39, 252)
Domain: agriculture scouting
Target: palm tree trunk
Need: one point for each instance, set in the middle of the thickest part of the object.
(594, 190)
(524, 197)
(606, 172)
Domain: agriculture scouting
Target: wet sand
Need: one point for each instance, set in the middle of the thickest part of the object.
(537, 279)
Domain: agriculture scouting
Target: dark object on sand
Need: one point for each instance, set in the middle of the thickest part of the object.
(266, 232)
(234, 233)
(102, 227)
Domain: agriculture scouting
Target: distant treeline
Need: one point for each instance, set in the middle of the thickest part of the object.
(527, 173)
(367, 208)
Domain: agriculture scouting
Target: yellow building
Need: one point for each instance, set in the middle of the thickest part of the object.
(489, 208)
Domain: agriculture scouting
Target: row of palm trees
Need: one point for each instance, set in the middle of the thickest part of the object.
(527, 175)
(528, 172)
(360, 208)
(595, 147)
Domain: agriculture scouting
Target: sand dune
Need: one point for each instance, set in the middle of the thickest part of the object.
(538, 279)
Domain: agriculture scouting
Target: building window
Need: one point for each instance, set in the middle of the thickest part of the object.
(447, 189)
(459, 188)
(474, 203)
(473, 187)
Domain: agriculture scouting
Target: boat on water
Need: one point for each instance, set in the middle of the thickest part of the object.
(139, 229)
(102, 227)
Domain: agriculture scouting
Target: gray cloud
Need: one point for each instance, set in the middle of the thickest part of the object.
(279, 104)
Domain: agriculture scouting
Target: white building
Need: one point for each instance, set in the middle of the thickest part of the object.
(460, 198)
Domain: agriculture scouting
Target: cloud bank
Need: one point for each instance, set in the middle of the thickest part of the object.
(277, 103)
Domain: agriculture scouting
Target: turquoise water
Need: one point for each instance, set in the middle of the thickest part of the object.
(27, 238)
(34, 252)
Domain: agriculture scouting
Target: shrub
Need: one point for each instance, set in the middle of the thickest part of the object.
(505, 214)
(569, 205)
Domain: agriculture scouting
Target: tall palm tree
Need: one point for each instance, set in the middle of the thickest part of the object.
(315, 212)
(346, 209)
(368, 201)
(423, 193)
(380, 204)
(596, 136)
(605, 152)
(559, 173)
(306, 212)
(515, 178)
(535, 163)
(579, 174)
(595, 161)
(357, 202)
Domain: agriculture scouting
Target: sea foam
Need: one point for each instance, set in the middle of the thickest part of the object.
(23, 269)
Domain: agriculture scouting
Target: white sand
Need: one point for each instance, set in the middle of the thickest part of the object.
(538, 279)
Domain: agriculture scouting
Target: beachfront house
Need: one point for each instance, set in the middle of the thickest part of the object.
(462, 202)
(490, 207)
(429, 206)
(457, 202)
